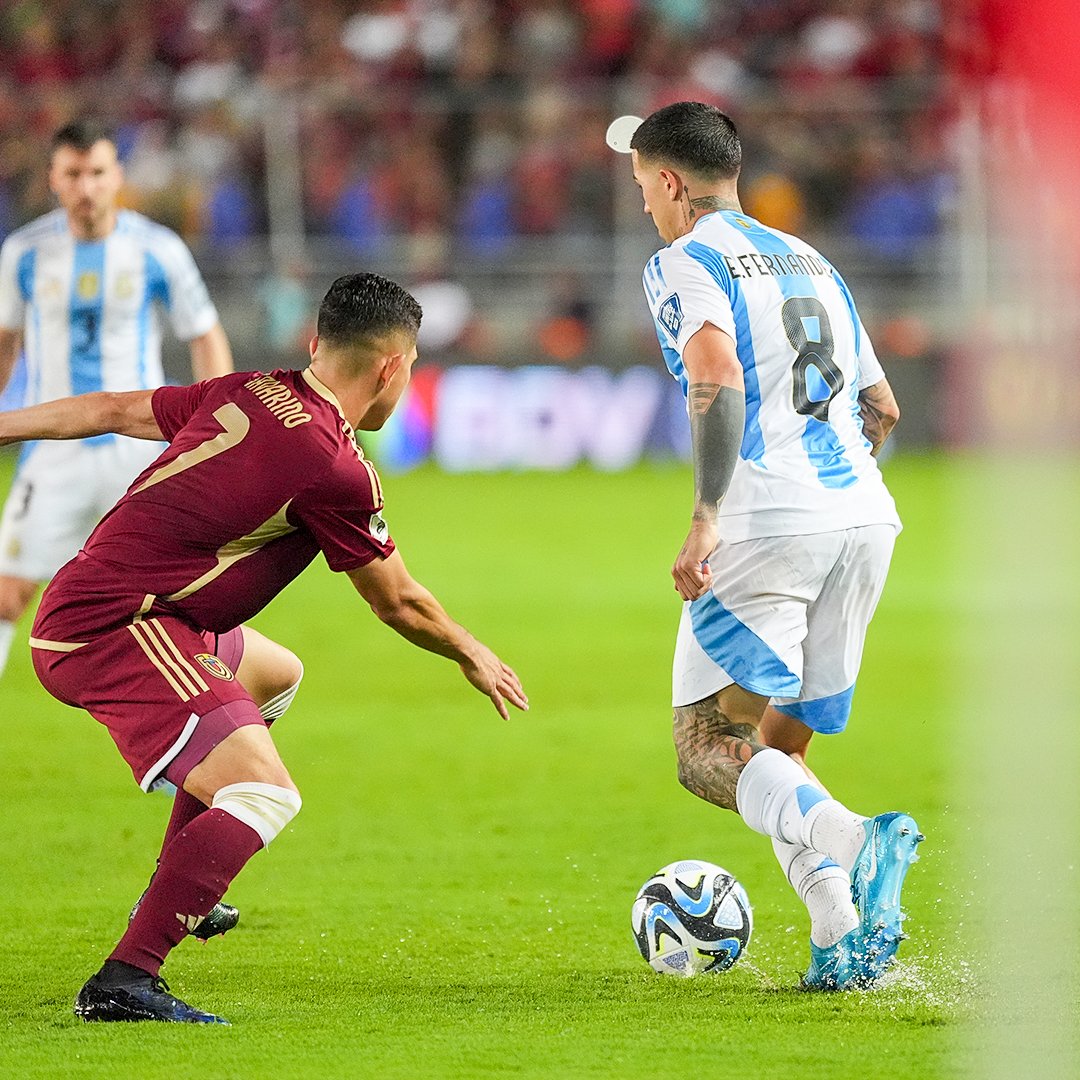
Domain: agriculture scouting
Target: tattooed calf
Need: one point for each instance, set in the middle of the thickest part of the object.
(712, 750)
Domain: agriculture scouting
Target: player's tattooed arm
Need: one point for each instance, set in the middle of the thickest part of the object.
(712, 751)
(717, 418)
(879, 413)
(717, 404)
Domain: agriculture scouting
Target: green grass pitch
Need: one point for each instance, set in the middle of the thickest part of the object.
(453, 900)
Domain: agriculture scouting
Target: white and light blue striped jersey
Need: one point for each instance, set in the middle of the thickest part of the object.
(805, 465)
(87, 307)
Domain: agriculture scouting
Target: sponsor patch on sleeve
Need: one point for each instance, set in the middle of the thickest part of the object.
(378, 528)
(670, 315)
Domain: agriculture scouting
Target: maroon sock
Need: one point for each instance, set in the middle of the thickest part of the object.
(186, 808)
(193, 873)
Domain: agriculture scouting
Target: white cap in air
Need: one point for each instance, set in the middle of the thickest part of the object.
(621, 131)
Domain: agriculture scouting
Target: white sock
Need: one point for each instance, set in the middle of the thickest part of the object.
(775, 797)
(823, 887)
(831, 827)
(7, 633)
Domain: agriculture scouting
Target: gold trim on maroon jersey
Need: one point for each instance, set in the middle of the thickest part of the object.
(324, 391)
(240, 548)
(55, 646)
(236, 424)
(173, 665)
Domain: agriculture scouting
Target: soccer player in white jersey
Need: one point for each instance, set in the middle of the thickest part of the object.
(78, 295)
(791, 533)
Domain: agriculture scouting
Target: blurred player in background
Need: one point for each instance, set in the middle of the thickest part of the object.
(77, 293)
(144, 631)
(791, 534)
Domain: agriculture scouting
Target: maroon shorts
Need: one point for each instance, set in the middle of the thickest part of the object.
(167, 693)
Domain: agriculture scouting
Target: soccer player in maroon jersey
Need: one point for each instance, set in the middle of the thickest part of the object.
(144, 628)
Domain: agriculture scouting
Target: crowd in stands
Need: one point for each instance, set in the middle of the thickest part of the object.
(476, 123)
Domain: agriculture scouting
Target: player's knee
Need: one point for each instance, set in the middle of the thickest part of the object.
(283, 688)
(266, 808)
(15, 597)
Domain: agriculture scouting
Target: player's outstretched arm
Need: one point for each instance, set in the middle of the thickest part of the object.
(717, 402)
(405, 605)
(879, 413)
(83, 416)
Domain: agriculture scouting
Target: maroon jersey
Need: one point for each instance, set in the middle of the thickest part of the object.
(262, 472)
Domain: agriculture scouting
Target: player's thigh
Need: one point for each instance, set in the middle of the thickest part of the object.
(837, 622)
(266, 668)
(49, 512)
(750, 627)
(166, 701)
(247, 755)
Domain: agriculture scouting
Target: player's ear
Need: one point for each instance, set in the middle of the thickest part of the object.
(391, 364)
(673, 184)
(313, 344)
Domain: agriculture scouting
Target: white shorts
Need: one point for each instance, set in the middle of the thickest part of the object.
(60, 492)
(786, 617)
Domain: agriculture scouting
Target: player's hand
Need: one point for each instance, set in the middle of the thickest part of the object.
(691, 572)
(492, 677)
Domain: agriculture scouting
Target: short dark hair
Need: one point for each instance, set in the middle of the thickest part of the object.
(692, 136)
(82, 134)
(359, 309)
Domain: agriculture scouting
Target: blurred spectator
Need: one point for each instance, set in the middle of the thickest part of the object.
(776, 201)
(422, 119)
(895, 211)
(230, 213)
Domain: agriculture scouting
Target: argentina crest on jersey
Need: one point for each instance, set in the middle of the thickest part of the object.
(670, 315)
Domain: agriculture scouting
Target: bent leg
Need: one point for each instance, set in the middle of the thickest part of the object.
(715, 738)
(267, 670)
(789, 736)
(251, 798)
(248, 755)
(271, 674)
(15, 596)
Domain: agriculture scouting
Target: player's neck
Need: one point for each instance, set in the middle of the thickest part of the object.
(354, 396)
(90, 229)
(694, 207)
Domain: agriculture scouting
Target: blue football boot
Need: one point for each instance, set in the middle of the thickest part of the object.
(876, 880)
(141, 996)
(837, 967)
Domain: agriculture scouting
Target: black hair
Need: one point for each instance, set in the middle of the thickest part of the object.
(692, 136)
(361, 308)
(82, 134)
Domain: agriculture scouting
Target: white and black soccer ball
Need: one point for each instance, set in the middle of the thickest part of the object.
(692, 917)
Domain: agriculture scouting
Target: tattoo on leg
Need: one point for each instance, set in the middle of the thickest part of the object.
(712, 751)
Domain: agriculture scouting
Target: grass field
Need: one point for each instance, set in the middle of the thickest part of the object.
(454, 899)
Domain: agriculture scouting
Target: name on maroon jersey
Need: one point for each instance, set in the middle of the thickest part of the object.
(279, 399)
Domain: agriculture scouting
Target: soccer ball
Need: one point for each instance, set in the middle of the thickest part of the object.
(691, 917)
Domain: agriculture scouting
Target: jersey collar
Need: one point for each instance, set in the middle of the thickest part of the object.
(322, 389)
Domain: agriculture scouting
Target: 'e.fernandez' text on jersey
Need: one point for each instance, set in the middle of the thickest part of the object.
(262, 472)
